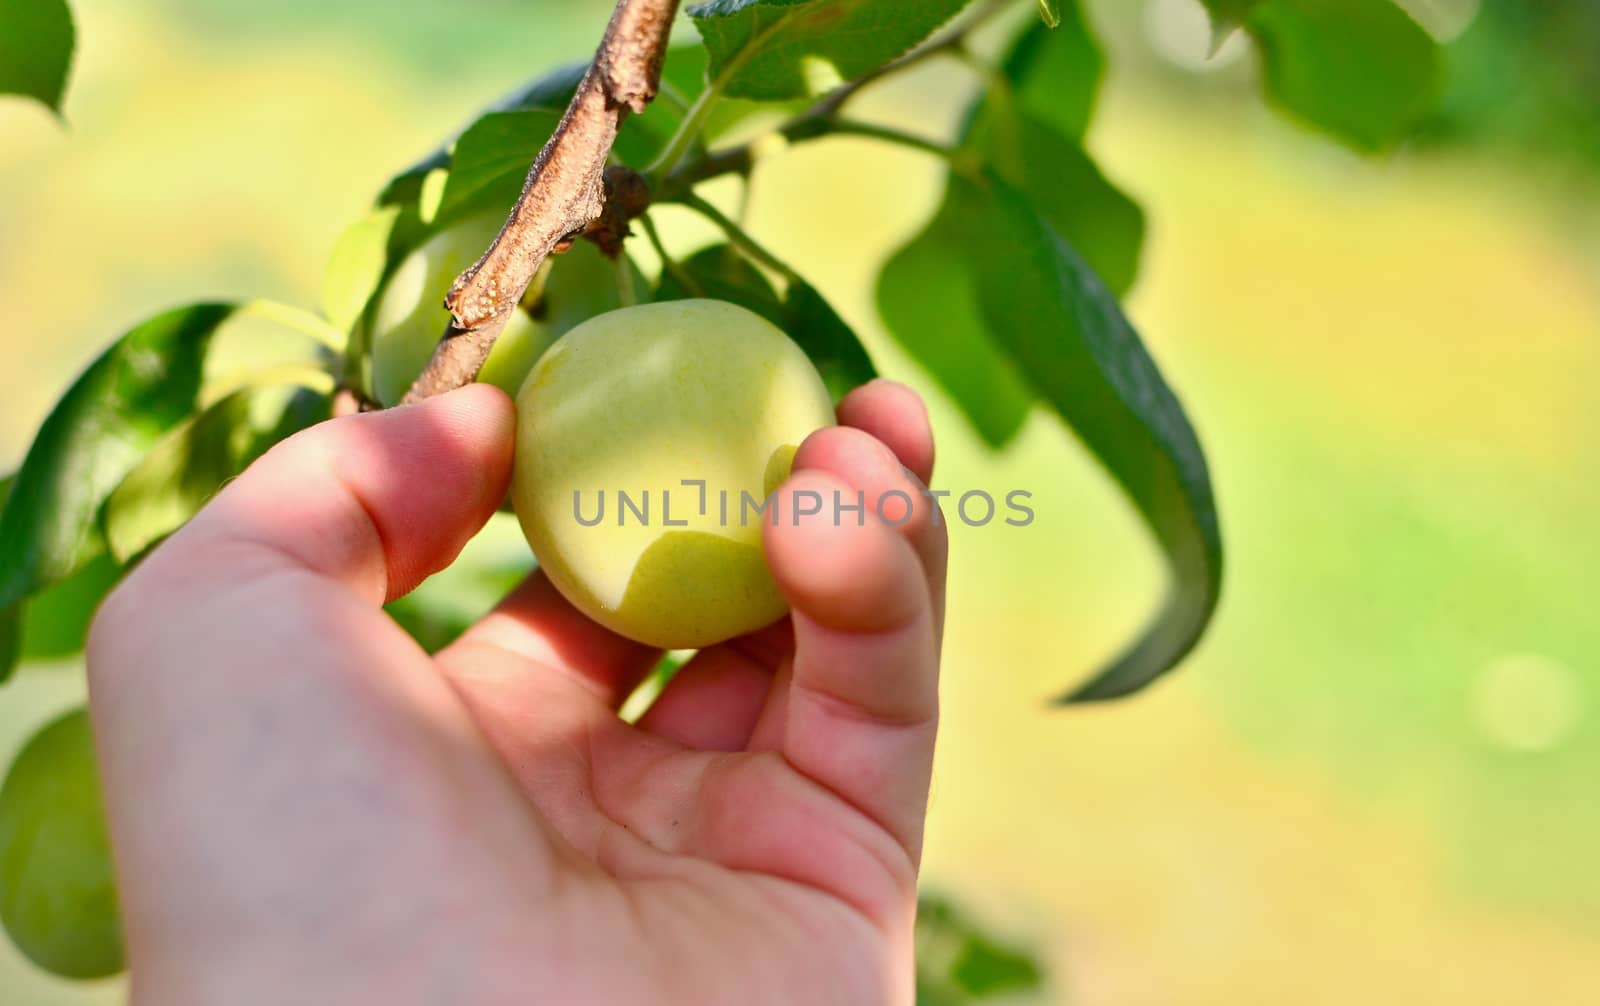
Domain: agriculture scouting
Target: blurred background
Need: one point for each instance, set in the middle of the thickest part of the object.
(1376, 781)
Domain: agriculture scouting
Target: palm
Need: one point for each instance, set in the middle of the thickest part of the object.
(295, 789)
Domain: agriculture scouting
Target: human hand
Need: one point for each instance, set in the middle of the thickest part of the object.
(305, 807)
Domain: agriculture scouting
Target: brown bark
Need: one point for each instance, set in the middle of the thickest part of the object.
(565, 195)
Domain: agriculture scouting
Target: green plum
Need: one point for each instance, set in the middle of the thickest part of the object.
(58, 898)
(647, 439)
(410, 315)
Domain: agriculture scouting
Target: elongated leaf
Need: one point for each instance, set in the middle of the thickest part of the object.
(721, 273)
(142, 386)
(1228, 15)
(929, 304)
(58, 897)
(958, 962)
(638, 141)
(55, 621)
(1075, 347)
(357, 266)
(776, 49)
(11, 614)
(1362, 70)
(490, 161)
(1067, 188)
(10, 641)
(188, 465)
(36, 42)
(926, 298)
(1055, 73)
(718, 271)
(827, 339)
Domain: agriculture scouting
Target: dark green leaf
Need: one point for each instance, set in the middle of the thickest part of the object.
(142, 386)
(10, 641)
(36, 40)
(986, 969)
(58, 897)
(55, 622)
(957, 962)
(490, 161)
(765, 49)
(721, 273)
(638, 141)
(1228, 15)
(1068, 189)
(1362, 70)
(188, 465)
(1055, 72)
(1075, 347)
(831, 343)
(929, 304)
(11, 614)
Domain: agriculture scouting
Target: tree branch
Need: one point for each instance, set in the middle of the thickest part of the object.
(565, 194)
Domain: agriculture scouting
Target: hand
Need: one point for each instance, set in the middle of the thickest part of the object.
(305, 807)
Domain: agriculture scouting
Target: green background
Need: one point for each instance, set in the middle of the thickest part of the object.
(1376, 780)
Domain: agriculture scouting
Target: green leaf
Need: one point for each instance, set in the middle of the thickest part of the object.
(830, 342)
(986, 969)
(451, 601)
(1361, 70)
(926, 298)
(1055, 317)
(1227, 15)
(58, 896)
(142, 386)
(638, 141)
(357, 266)
(11, 614)
(490, 162)
(1068, 189)
(192, 462)
(776, 49)
(721, 273)
(1055, 73)
(10, 641)
(55, 622)
(957, 962)
(929, 304)
(36, 41)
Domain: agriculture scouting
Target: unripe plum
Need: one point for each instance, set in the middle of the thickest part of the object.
(615, 418)
(410, 315)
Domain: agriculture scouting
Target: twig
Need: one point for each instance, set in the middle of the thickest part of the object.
(823, 118)
(564, 196)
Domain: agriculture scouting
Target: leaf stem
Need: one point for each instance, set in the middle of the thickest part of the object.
(627, 295)
(669, 264)
(739, 237)
(694, 120)
(853, 127)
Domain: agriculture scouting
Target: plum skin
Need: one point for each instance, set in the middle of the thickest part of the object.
(637, 402)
